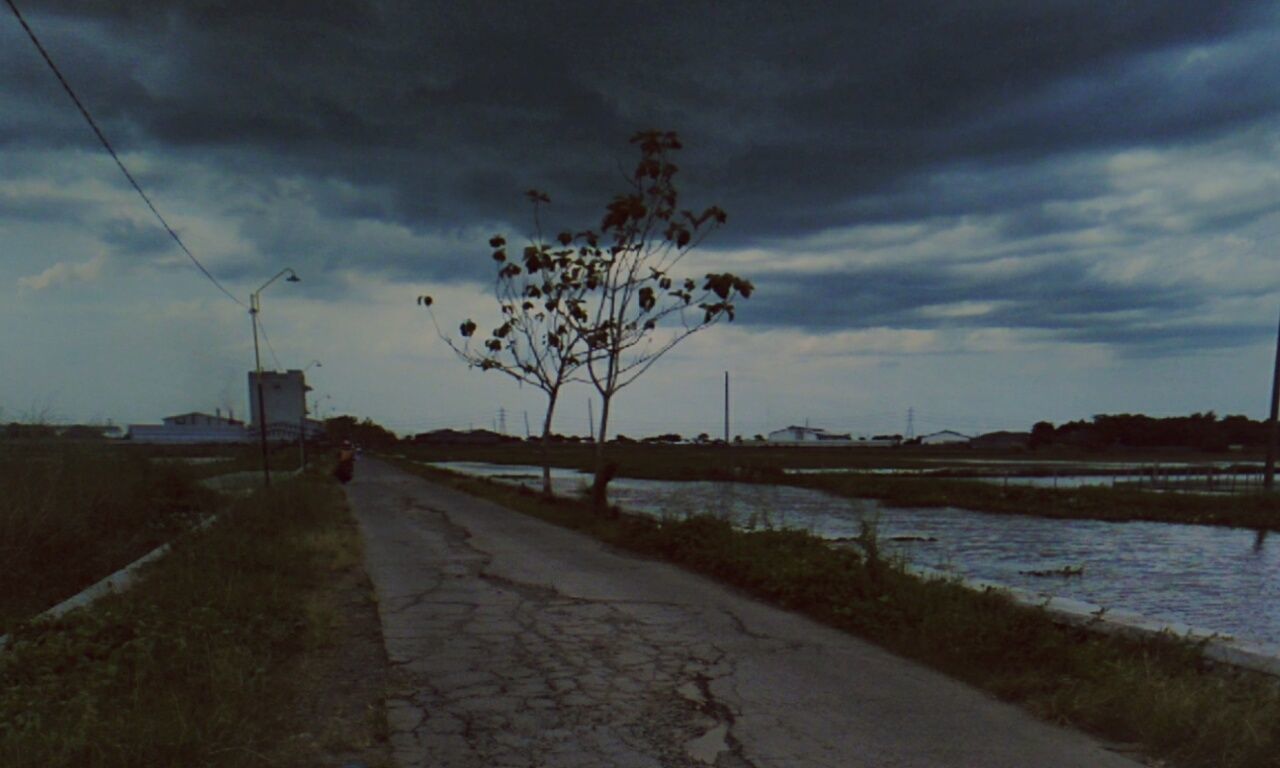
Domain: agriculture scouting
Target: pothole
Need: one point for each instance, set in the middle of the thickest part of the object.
(707, 747)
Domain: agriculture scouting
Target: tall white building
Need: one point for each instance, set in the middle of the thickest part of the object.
(284, 400)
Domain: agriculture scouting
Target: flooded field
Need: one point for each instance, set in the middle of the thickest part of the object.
(1221, 478)
(1221, 579)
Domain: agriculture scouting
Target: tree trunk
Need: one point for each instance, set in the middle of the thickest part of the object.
(603, 473)
(545, 450)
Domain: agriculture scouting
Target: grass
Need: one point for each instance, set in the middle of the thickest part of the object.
(1244, 510)
(234, 458)
(71, 514)
(197, 664)
(765, 465)
(1158, 693)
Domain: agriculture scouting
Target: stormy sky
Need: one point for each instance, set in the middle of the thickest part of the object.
(992, 213)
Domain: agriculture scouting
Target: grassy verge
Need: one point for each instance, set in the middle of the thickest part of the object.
(71, 514)
(1158, 693)
(765, 465)
(233, 458)
(198, 664)
(1244, 510)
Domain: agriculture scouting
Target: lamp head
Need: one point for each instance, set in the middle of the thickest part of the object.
(293, 278)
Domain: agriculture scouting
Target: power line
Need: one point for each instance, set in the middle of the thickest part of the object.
(111, 151)
(262, 329)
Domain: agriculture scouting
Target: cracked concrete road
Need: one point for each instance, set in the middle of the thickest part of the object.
(516, 643)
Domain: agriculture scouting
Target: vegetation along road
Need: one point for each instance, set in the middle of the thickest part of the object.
(515, 642)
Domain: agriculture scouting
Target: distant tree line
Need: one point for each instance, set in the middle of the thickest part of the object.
(1199, 431)
(364, 433)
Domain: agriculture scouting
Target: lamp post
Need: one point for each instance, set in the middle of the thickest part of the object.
(1269, 471)
(254, 308)
(302, 420)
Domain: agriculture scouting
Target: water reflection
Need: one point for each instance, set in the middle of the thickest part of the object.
(1224, 579)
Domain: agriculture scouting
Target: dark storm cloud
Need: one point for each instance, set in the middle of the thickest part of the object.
(1063, 300)
(434, 117)
(32, 208)
(136, 240)
(789, 110)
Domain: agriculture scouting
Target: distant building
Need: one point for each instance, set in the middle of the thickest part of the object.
(284, 400)
(191, 428)
(945, 437)
(196, 419)
(795, 434)
(880, 441)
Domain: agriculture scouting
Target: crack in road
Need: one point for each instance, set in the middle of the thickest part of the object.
(503, 672)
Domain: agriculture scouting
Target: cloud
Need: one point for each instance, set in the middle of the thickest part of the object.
(923, 179)
(455, 124)
(64, 273)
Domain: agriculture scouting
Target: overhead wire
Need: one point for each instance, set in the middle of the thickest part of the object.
(111, 151)
(262, 329)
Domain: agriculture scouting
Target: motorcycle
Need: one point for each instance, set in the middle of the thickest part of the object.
(344, 471)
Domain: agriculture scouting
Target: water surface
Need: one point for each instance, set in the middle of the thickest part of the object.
(1221, 579)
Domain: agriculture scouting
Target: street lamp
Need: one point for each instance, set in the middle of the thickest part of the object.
(1269, 469)
(254, 308)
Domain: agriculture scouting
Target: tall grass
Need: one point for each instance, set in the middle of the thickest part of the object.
(1159, 693)
(73, 513)
(192, 666)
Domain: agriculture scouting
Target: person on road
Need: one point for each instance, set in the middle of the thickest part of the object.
(346, 462)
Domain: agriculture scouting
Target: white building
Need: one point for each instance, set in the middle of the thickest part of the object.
(945, 437)
(284, 399)
(807, 435)
(197, 419)
(880, 441)
(191, 428)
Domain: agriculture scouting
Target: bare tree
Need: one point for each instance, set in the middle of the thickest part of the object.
(606, 300)
(634, 310)
(534, 342)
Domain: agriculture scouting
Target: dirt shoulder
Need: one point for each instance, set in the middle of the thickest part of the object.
(341, 684)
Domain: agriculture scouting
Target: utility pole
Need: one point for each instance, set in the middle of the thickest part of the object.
(257, 381)
(591, 420)
(502, 420)
(302, 435)
(1269, 478)
(527, 433)
(726, 407)
(255, 306)
(911, 423)
(302, 420)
